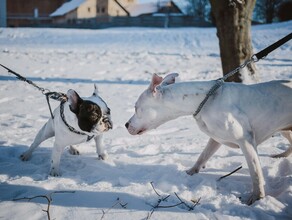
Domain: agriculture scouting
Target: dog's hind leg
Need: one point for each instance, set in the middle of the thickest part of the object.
(248, 147)
(209, 150)
(46, 132)
(288, 136)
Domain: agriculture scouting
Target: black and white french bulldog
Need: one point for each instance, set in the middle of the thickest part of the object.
(75, 121)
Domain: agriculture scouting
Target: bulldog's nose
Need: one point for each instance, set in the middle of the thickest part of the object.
(110, 126)
(127, 124)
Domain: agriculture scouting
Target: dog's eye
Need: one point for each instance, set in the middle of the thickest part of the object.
(108, 112)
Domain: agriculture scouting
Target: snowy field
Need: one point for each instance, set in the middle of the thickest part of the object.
(121, 62)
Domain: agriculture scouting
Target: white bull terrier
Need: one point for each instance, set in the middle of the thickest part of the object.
(75, 121)
(237, 115)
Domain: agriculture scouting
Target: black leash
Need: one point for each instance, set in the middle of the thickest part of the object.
(58, 96)
(254, 58)
(263, 53)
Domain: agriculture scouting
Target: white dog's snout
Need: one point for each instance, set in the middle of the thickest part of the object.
(130, 128)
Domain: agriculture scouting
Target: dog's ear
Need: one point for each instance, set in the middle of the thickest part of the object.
(169, 79)
(156, 80)
(95, 92)
(74, 100)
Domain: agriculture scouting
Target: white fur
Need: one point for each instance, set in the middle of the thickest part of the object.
(236, 115)
(64, 137)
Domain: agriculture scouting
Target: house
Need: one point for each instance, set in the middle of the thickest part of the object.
(162, 7)
(76, 10)
(30, 12)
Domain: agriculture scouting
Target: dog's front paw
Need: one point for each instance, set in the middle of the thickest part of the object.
(54, 172)
(102, 156)
(74, 151)
(25, 156)
(254, 197)
(192, 171)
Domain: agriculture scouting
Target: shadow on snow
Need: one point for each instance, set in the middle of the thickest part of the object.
(76, 80)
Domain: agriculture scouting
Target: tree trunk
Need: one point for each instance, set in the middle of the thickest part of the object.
(233, 22)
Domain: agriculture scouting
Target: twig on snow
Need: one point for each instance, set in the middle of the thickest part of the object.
(47, 197)
(118, 202)
(162, 199)
(187, 205)
(154, 188)
(222, 177)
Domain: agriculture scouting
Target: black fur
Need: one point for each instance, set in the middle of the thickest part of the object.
(88, 115)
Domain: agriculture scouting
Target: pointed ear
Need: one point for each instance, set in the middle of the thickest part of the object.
(169, 79)
(74, 100)
(156, 80)
(95, 92)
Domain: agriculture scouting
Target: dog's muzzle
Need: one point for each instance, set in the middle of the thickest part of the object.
(107, 123)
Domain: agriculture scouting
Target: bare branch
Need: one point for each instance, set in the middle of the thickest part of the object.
(187, 205)
(164, 198)
(170, 206)
(154, 188)
(118, 202)
(222, 177)
(47, 197)
(161, 199)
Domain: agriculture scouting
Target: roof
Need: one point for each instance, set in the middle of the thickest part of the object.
(152, 7)
(67, 7)
(139, 9)
(133, 9)
(182, 5)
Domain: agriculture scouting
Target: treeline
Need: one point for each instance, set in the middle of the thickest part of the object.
(265, 11)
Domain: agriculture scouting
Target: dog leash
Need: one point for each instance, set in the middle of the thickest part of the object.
(58, 96)
(254, 58)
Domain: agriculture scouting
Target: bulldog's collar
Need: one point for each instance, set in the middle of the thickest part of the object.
(70, 127)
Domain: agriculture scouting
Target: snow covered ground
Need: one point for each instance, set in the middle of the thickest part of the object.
(121, 61)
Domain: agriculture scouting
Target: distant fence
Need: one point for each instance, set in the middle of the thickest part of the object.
(141, 21)
(158, 21)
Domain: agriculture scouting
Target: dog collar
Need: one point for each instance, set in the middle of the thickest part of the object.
(218, 83)
(70, 127)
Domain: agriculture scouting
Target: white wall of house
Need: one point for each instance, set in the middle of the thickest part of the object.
(93, 9)
(87, 9)
(111, 8)
(114, 9)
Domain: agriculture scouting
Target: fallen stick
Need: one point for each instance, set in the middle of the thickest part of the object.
(222, 177)
(47, 197)
(118, 202)
(164, 198)
(189, 207)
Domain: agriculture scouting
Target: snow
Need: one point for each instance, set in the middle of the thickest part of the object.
(121, 61)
